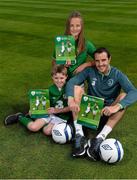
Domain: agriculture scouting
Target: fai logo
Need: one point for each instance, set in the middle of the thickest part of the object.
(107, 147)
(58, 39)
(32, 93)
(57, 133)
(85, 98)
(110, 82)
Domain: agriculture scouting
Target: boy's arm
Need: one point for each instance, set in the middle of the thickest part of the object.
(53, 110)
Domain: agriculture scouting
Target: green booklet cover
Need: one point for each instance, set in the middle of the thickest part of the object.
(65, 49)
(90, 111)
(39, 103)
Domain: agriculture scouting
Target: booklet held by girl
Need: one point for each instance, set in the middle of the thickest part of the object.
(90, 111)
(39, 103)
(65, 49)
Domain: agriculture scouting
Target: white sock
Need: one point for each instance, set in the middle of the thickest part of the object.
(105, 131)
(78, 128)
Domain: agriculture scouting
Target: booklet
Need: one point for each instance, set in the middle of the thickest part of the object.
(90, 111)
(39, 103)
(65, 49)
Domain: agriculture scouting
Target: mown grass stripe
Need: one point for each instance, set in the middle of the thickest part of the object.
(92, 5)
(92, 10)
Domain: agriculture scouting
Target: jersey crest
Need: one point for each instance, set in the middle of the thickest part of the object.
(110, 82)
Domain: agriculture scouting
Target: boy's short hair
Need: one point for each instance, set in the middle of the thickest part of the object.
(59, 69)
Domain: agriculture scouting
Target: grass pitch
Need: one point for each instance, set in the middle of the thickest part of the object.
(27, 31)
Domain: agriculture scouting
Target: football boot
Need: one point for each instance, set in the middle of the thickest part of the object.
(93, 149)
(11, 119)
(79, 145)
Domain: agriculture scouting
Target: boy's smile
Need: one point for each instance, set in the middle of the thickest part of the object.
(59, 79)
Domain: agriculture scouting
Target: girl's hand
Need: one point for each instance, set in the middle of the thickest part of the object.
(79, 69)
(83, 66)
(68, 63)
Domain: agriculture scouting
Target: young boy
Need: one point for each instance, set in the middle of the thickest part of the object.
(58, 111)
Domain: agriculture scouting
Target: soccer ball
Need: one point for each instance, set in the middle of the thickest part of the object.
(111, 150)
(62, 133)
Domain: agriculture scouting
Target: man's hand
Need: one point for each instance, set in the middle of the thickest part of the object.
(109, 110)
(74, 107)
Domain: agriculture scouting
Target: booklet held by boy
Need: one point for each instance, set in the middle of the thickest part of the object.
(90, 111)
(39, 103)
(65, 49)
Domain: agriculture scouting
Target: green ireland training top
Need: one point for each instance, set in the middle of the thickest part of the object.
(58, 100)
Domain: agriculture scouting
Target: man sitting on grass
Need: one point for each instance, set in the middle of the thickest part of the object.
(106, 82)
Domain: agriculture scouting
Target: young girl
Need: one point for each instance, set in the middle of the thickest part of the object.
(75, 27)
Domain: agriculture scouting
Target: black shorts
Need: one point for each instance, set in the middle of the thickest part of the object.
(103, 121)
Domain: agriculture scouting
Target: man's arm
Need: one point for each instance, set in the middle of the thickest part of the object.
(128, 98)
(76, 80)
(71, 90)
(74, 102)
(129, 89)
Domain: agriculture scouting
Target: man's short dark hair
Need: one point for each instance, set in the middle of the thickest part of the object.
(101, 50)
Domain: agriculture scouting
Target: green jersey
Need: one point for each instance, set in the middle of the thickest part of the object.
(81, 58)
(58, 100)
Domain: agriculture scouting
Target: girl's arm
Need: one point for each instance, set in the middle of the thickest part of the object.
(83, 66)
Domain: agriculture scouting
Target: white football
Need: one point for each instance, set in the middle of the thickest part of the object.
(111, 150)
(62, 133)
